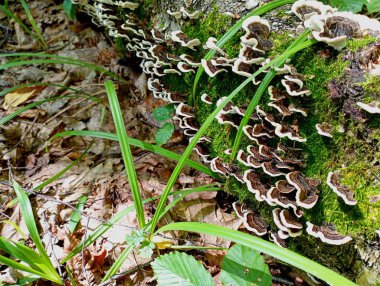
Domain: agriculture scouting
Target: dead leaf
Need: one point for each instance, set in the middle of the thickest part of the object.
(15, 98)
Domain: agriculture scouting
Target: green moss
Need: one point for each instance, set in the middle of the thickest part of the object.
(356, 44)
(371, 88)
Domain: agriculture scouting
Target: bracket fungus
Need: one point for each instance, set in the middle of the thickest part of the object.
(255, 223)
(324, 129)
(257, 33)
(307, 193)
(373, 107)
(304, 9)
(327, 234)
(211, 69)
(294, 85)
(341, 190)
(180, 37)
(211, 45)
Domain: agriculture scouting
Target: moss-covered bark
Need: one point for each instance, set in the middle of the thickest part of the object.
(353, 150)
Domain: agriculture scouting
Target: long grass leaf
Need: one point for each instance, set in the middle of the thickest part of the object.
(76, 214)
(234, 29)
(11, 15)
(33, 23)
(55, 59)
(19, 111)
(259, 92)
(53, 178)
(125, 151)
(141, 144)
(261, 245)
(59, 61)
(23, 253)
(103, 228)
(19, 266)
(119, 262)
(207, 123)
(27, 212)
(15, 87)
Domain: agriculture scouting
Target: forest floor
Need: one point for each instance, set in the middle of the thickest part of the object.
(28, 157)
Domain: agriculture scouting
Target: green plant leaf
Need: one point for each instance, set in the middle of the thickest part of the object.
(244, 266)
(177, 268)
(348, 5)
(141, 144)
(33, 23)
(27, 212)
(126, 152)
(259, 92)
(76, 215)
(163, 113)
(100, 230)
(164, 133)
(146, 249)
(235, 28)
(373, 6)
(70, 9)
(209, 119)
(259, 244)
(119, 262)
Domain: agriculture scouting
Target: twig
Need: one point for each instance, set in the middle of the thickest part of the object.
(134, 269)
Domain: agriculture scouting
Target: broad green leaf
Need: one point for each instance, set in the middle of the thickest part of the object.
(373, 6)
(164, 133)
(70, 9)
(177, 268)
(76, 215)
(264, 246)
(163, 113)
(244, 266)
(348, 5)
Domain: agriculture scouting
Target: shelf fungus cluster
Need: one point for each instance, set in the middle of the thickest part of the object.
(332, 27)
(272, 165)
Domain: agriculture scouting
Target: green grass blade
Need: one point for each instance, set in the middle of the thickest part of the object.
(11, 15)
(261, 245)
(23, 253)
(15, 87)
(76, 215)
(16, 113)
(119, 262)
(206, 188)
(259, 92)
(99, 231)
(127, 251)
(33, 23)
(59, 61)
(253, 103)
(19, 266)
(55, 59)
(53, 178)
(27, 212)
(141, 144)
(207, 123)
(125, 151)
(235, 28)
(16, 227)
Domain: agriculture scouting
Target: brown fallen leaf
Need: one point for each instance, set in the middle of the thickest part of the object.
(15, 98)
